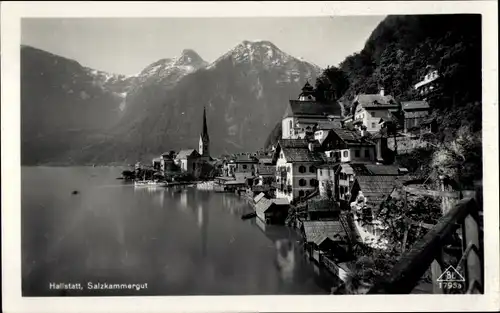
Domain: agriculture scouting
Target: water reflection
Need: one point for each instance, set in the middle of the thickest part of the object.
(135, 234)
(203, 215)
(284, 245)
(184, 201)
(286, 258)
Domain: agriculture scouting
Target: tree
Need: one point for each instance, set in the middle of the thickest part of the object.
(460, 159)
(398, 230)
(332, 80)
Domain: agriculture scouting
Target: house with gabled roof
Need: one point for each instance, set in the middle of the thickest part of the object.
(325, 238)
(348, 145)
(296, 161)
(303, 114)
(368, 109)
(272, 211)
(415, 113)
(187, 160)
(367, 195)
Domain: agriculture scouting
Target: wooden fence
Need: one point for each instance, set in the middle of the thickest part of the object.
(462, 220)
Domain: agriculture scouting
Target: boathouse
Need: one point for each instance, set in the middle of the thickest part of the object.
(272, 211)
(325, 238)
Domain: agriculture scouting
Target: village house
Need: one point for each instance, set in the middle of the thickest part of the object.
(348, 146)
(326, 178)
(429, 84)
(368, 109)
(347, 172)
(303, 114)
(415, 113)
(167, 162)
(323, 128)
(244, 163)
(188, 160)
(296, 163)
(367, 195)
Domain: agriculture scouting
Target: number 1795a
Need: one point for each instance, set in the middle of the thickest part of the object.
(450, 285)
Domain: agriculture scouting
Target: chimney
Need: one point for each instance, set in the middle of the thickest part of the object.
(382, 93)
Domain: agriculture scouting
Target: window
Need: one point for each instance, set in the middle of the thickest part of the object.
(320, 172)
(372, 114)
(301, 193)
(282, 155)
(313, 182)
(302, 169)
(367, 153)
(244, 166)
(373, 125)
(356, 153)
(291, 124)
(302, 182)
(346, 154)
(312, 169)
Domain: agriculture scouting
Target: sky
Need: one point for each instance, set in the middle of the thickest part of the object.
(127, 45)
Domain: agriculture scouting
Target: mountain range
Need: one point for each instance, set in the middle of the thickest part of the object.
(72, 114)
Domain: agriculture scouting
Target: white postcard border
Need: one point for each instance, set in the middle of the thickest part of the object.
(12, 12)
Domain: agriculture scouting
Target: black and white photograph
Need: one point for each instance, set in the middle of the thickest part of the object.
(324, 155)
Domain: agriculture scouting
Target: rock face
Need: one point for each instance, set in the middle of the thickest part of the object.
(72, 114)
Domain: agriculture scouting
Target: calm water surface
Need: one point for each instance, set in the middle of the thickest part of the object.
(179, 242)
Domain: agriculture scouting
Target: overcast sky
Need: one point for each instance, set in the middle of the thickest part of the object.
(127, 45)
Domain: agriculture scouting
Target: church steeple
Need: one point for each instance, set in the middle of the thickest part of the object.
(204, 147)
(205, 128)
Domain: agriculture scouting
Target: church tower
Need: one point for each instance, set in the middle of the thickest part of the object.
(204, 146)
(307, 93)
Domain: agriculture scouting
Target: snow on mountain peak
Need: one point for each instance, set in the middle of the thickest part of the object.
(174, 69)
(260, 52)
(190, 57)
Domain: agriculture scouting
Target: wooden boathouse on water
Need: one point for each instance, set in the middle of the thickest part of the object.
(229, 184)
(272, 211)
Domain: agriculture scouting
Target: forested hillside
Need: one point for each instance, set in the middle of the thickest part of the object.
(399, 51)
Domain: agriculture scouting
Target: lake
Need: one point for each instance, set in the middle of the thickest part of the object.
(177, 241)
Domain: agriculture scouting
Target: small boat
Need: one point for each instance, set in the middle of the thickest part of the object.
(75, 192)
(248, 215)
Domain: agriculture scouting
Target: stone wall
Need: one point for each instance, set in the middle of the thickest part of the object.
(406, 144)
